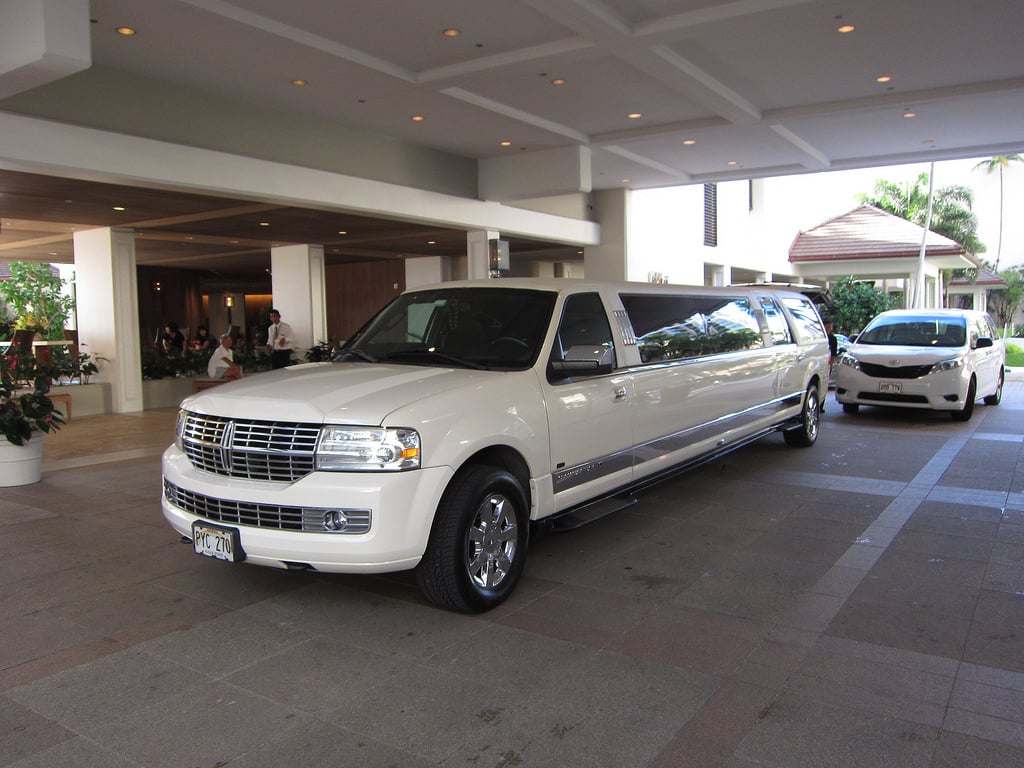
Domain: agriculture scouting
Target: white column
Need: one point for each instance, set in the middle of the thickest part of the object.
(609, 260)
(478, 253)
(108, 311)
(426, 270)
(297, 282)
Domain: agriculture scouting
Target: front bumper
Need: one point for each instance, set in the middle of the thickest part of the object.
(401, 506)
(944, 391)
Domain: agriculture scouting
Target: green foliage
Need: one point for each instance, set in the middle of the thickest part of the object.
(34, 295)
(22, 414)
(952, 214)
(1003, 304)
(855, 303)
(1014, 356)
(324, 350)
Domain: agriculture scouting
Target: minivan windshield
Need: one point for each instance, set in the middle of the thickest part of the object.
(915, 331)
(483, 328)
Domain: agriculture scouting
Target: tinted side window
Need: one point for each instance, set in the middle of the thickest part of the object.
(584, 323)
(677, 327)
(777, 325)
(806, 317)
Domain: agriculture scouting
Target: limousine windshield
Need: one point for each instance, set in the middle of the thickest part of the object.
(488, 328)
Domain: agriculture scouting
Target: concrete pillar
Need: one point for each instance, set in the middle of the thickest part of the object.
(299, 294)
(426, 270)
(108, 311)
(609, 260)
(478, 253)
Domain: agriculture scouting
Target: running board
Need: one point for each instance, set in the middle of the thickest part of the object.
(588, 513)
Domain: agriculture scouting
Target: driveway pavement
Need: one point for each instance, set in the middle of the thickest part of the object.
(859, 603)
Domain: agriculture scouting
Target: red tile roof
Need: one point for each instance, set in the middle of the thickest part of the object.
(868, 233)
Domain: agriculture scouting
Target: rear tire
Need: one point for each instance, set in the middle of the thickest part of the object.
(477, 547)
(806, 434)
(968, 410)
(996, 397)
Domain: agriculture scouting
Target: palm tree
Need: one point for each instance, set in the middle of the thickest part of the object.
(993, 163)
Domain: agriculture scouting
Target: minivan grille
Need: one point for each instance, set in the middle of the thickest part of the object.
(903, 372)
(254, 450)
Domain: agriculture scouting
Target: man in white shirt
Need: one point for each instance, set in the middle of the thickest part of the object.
(280, 341)
(222, 364)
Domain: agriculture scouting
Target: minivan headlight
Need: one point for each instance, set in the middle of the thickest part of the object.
(367, 449)
(948, 365)
(850, 360)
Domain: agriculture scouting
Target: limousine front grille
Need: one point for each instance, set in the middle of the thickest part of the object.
(903, 372)
(254, 450)
(258, 515)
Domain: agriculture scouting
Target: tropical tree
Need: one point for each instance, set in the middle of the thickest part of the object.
(998, 163)
(853, 303)
(1003, 304)
(952, 214)
(35, 297)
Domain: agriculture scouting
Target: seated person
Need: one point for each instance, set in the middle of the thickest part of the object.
(222, 364)
(203, 340)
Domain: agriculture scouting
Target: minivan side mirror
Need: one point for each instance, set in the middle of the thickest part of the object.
(983, 341)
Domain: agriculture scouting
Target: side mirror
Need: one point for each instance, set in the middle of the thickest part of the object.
(585, 360)
(983, 341)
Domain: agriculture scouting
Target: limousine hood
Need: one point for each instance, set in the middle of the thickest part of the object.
(345, 393)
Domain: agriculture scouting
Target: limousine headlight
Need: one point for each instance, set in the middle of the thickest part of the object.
(367, 449)
(948, 365)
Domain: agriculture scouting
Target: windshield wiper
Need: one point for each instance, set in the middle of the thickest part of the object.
(434, 355)
(355, 353)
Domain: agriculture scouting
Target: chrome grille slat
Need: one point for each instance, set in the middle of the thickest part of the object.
(256, 515)
(253, 450)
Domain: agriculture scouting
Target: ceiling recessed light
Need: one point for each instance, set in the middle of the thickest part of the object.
(418, 118)
(264, 223)
(928, 141)
(119, 208)
(126, 31)
(300, 81)
(689, 142)
(732, 162)
(883, 79)
(451, 32)
(845, 28)
(559, 81)
(506, 143)
(431, 242)
(342, 231)
(634, 115)
(908, 113)
(626, 181)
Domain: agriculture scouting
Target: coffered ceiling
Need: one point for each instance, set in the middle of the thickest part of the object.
(662, 92)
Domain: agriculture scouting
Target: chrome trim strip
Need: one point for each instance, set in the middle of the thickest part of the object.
(571, 477)
(626, 327)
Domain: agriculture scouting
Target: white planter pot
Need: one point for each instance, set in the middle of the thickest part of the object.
(21, 464)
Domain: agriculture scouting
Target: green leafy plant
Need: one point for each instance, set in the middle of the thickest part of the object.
(34, 295)
(322, 351)
(22, 414)
(854, 303)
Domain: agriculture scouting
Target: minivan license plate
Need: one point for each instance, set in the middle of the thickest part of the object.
(217, 541)
(892, 387)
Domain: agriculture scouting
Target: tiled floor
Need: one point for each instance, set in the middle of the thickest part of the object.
(860, 603)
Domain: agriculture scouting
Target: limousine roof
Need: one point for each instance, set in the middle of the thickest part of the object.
(576, 285)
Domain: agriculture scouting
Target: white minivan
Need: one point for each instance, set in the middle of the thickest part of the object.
(941, 359)
(464, 414)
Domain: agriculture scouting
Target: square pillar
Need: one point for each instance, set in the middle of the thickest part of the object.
(299, 292)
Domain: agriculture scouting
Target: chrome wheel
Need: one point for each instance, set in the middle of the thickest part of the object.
(806, 434)
(491, 542)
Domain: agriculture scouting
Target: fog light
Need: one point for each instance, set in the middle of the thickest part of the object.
(335, 520)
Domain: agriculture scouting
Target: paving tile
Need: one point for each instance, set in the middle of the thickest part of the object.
(24, 731)
(956, 750)
(75, 752)
(911, 629)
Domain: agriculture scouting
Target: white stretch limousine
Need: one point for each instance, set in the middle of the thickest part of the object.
(465, 412)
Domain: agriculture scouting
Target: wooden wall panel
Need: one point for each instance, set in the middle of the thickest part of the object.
(356, 291)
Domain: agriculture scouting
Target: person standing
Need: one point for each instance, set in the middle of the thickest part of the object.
(280, 341)
(222, 363)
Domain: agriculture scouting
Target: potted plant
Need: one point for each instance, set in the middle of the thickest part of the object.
(24, 418)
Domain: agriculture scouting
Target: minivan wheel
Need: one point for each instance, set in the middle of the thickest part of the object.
(477, 547)
(804, 435)
(968, 409)
(996, 397)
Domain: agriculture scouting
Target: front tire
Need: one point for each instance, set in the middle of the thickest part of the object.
(477, 547)
(996, 397)
(805, 435)
(968, 410)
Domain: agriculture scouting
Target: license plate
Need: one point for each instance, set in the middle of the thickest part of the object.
(892, 387)
(217, 541)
